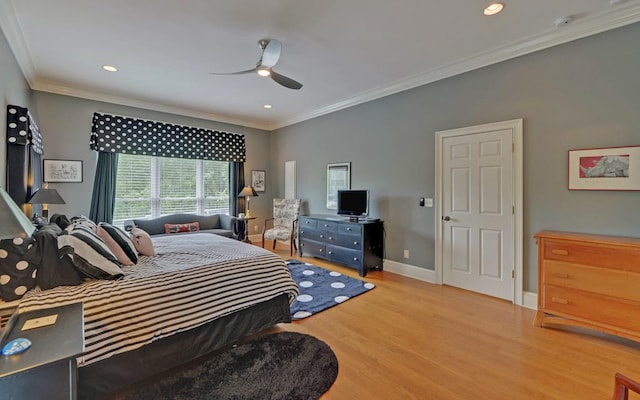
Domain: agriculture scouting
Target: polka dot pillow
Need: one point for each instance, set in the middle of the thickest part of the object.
(17, 276)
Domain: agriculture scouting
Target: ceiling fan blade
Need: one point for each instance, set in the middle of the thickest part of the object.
(285, 81)
(235, 73)
(271, 53)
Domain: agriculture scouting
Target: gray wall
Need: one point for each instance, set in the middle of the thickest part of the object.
(14, 90)
(66, 126)
(579, 95)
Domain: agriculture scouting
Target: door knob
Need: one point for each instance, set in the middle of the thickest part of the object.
(446, 218)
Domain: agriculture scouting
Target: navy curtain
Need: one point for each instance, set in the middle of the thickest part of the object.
(103, 199)
(236, 178)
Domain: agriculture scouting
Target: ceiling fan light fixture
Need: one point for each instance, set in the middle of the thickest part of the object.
(493, 8)
(109, 68)
(263, 71)
(268, 106)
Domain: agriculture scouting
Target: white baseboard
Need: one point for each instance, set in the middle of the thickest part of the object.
(411, 271)
(530, 300)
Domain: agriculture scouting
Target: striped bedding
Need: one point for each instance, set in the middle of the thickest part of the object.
(191, 280)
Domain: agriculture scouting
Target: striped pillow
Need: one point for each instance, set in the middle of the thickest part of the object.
(119, 243)
(89, 254)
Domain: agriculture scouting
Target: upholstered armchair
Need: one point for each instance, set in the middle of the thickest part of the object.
(285, 218)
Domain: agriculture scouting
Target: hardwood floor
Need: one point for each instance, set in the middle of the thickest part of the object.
(408, 339)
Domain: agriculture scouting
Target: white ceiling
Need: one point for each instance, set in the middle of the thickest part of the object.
(345, 52)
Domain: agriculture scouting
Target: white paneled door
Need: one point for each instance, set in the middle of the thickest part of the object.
(477, 212)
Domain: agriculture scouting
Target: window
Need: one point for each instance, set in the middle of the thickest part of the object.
(148, 187)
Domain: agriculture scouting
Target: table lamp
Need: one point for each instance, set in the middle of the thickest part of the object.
(247, 192)
(14, 222)
(46, 196)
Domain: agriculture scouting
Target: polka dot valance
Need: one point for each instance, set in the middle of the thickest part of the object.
(22, 128)
(112, 133)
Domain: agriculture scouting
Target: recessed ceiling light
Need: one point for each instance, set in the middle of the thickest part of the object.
(264, 72)
(493, 8)
(109, 68)
(267, 106)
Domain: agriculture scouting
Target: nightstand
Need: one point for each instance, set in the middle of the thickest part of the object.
(243, 228)
(47, 370)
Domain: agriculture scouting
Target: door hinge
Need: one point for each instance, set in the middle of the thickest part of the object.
(513, 210)
(513, 147)
(513, 274)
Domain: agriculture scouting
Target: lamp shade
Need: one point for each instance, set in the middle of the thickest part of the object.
(46, 196)
(14, 222)
(248, 191)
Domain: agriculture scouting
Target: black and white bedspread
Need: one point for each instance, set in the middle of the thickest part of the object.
(191, 280)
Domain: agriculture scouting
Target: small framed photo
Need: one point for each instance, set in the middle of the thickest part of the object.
(258, 180)
(611, 168)
(62, 171)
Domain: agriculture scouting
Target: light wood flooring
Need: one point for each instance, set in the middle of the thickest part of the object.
(408, 339)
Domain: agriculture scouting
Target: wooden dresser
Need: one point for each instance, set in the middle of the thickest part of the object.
(589, 281)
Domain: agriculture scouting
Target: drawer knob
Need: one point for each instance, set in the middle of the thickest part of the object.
(321, 236)
(325, 225)
(560, 252)
(348, 228)
(330, 252)
(356, 243)
(306, 222)
(301, 231)
(355, 258)
(559, 300)
(321, 250)
(330, 237)
(302, 244)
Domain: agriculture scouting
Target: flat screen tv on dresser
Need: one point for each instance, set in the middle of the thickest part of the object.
(353, 203)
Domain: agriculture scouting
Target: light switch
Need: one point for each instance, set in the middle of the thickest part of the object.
(428, 202)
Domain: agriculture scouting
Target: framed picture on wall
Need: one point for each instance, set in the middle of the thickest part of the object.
(611, 168)
(258, 180)
(62, 171)
(338, 178)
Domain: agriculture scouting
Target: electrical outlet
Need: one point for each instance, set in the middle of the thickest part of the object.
(428, 202)
(406, 253)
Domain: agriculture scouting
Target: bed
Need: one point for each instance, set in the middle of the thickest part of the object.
(197, 293)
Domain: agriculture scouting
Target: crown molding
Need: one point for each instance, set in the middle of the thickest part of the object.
(147, 105)
(580, 28)
(15, 37)
(616, 17)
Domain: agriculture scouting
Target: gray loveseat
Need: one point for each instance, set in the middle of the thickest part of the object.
(219, 224)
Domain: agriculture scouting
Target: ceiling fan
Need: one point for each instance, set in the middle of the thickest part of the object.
(270, 55)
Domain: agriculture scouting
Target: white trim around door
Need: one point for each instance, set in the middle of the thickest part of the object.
(516, 127)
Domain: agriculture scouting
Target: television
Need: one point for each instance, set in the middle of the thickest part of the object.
(353, 203)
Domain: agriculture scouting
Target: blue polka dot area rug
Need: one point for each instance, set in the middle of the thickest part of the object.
(321, 289)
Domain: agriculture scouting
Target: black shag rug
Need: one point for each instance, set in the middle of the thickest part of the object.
(286, 365)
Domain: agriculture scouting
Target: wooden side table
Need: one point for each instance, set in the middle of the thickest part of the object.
(47, 370)
(243, 229)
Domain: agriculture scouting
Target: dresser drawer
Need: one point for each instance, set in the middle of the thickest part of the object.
(349, 241)
(313, 248)
(304, 222)
(350, 258)
(312, 234)
(328, 226)
(350, 229)
(596, 309)
(610, 282)
(596, 254)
